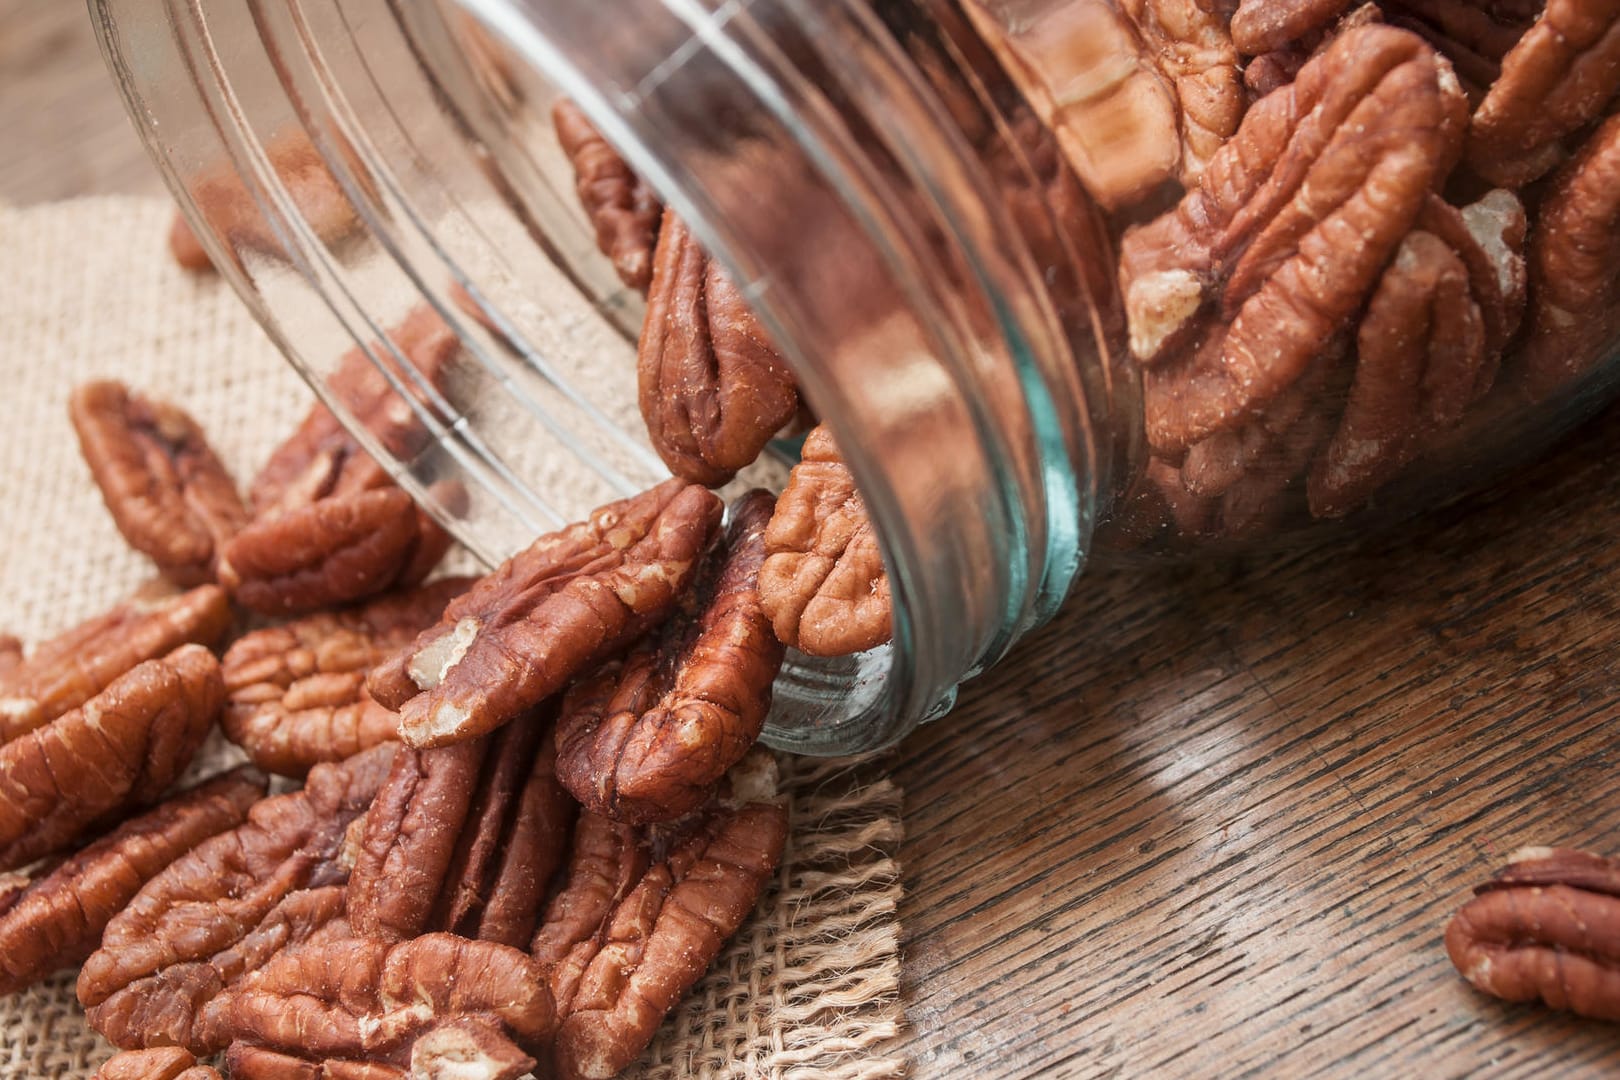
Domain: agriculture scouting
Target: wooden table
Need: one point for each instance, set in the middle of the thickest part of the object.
(1211, 821)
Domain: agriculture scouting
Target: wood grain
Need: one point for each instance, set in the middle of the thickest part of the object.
(1212, 821)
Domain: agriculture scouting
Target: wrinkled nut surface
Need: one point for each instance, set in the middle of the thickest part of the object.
(1559, 77)
(605, 862)
(703, 881)
(1190, 44)
(120, 749)
(295, 694)
(712, 389)
(167, 491)
(623, 210)
(1289, 230)
(823, 585)
(364, 999)
(57, 921)
(465, 1048)
(158, 1063)
(1574, 267)
(80, 663)
(1087, 74)
(224, 908)
(1546, 927)
(571, 599)
(1264, 26)
(648, 739)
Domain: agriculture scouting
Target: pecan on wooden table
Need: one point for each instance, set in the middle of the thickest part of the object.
(167, 491)
(568, 601)
(823, 584)
(623, 210)
(295, 694)
(1545, 927)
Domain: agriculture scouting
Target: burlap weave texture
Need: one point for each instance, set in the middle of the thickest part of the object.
(810, 987)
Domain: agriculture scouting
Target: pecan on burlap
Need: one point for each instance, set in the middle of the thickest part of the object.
(80, 663)
(121, 749)
(1575, 267)
(330, 525)
(158, 1063)
(295, 694)
(711, 387)
(226, 907)
(1428, 346)
(823, 585)
(623, 210)
(167, 491)
(705, 876)
(1287, 232)
(463, 838)
(648, 738)
(57, 920)
(1190, 44)
(434, 1006)
(1090, 78)
(605, 861)
(1546, 927)
(1560, 76)
(568, 601)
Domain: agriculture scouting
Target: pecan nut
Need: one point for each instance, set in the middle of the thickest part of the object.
(1474, 36)
(1191, 46)
(361, 999)
(1289, 229)
(570, 600)
(823, 585)
(1545, 927)
(224, 908)
(463, 838)
(122, 748)
(158, 1063)
(57, 920)
(167, 491)
(1266, 26)
(1559, 77)
(623, 210)
(295, 694)
(75, 666)
(711, 387)
(1574, 266)
(464, 1047)
(704, 880)
(649, 739)
(604, 863)
(1087, 74)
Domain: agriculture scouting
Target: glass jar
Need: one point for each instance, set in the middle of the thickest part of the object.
(1051, 299)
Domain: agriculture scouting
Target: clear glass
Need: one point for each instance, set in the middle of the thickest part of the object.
(928, 204)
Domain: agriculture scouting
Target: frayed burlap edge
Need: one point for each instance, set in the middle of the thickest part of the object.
(808, 988)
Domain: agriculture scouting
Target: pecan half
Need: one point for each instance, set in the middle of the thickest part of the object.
(1473, 36)
(295, 694)
(567, 602)
(1428, 346)
(623, 210)
(167, 491)
(1546, 927)
(57, 921)
(462, 838)
(1190, 44)
(1574, 266)
(224, 908)
(75, 666)
(1087, 74)
(120, 749)
(331, 527)
(465, 1048)
(1289, 229)
(1559, 77)
(604, 864)
(823, 585)
(158, 1063)
(361, 999)
(648, 739)
(711, 387)
(1264, 26)
(704, 880)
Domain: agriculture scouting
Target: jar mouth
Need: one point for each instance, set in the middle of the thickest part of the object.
(947, 391)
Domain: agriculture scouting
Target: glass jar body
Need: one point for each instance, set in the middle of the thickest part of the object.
(1026, 336)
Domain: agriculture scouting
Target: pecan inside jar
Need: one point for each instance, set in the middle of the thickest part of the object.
(622, 209)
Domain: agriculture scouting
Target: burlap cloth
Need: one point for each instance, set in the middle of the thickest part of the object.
(810, 986)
